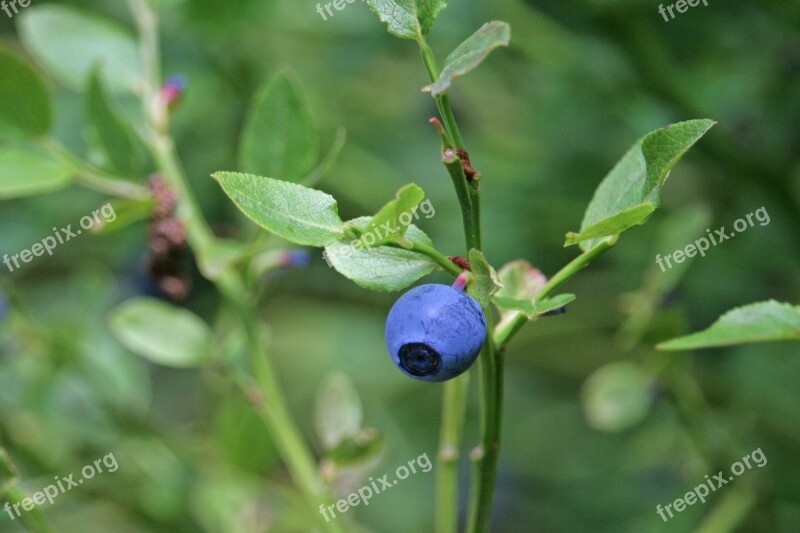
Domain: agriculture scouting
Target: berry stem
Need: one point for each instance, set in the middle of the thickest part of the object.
(491, 369)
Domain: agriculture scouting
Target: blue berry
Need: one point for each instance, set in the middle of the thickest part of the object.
(435, 332)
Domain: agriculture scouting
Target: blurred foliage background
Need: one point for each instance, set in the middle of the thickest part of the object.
(544, 121)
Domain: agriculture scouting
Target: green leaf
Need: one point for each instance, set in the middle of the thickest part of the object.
(291, 211)
(408, 19)
(28, 170)
(621, 200)
(357, 454)
(26, 109)
(70, 42)
(338, 412)
(111, 133)
(406, 200)
(759, 322)
(384, 268)
(471, 53)
(164, 334)
(485, 282)
(279, 138)
(531, 308)
(219, 255)
(616, 396)
(613, 225)
(8, 474)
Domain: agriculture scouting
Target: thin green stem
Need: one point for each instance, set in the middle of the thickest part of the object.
(272, 406)
(510, 327)
(35, 519)
(451, 431)
(469, 216)
(432, 253)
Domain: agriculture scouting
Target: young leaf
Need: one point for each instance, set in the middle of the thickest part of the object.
(471, 53)
(485, 283)
(613, 225)
(290, 211)
(164, 334)
(114, 136)
(70, 42)
(531, 308)
(621, 201)
(28, 170)
(26, 109)
(520, 280)
(759, 322)
(407, 18)
(338, 412)
(280, 139)
(384, 268)
(616, 396)
(406, 200)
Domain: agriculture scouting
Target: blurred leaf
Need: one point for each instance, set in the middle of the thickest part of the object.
(70, 42)
(28, 170)
(616, 396)
(290, 211)
(408, 18)
(112, 134)
(384, 268)
(26, 109)
(353, 451)
(162, 333)
(328, 161)
(406, 200)
(485, 281)
(520, 280)
(8, 474)
(471, 53)
(680, 227)
(624, 197)
(338, 412)
(531, 308)
(759, 322)
(280, 139)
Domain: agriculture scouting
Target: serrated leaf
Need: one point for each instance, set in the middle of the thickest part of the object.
(26, 108)
(384, 268)
(338, 412)
(613, 225)
(637, 180)
(290, 211)
(114, 136)
(27, 170)
(70, 42)
(407, 18)
(8, 474)
(616, 396)
(485, 282)
(759, 322)
(280, 139)
(471, 53)
(164, 334)
(531, 308)
(406, 200)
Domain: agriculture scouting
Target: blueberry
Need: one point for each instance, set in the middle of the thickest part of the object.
(435, 332)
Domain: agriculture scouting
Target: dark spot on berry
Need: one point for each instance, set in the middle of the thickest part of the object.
(419, 359)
